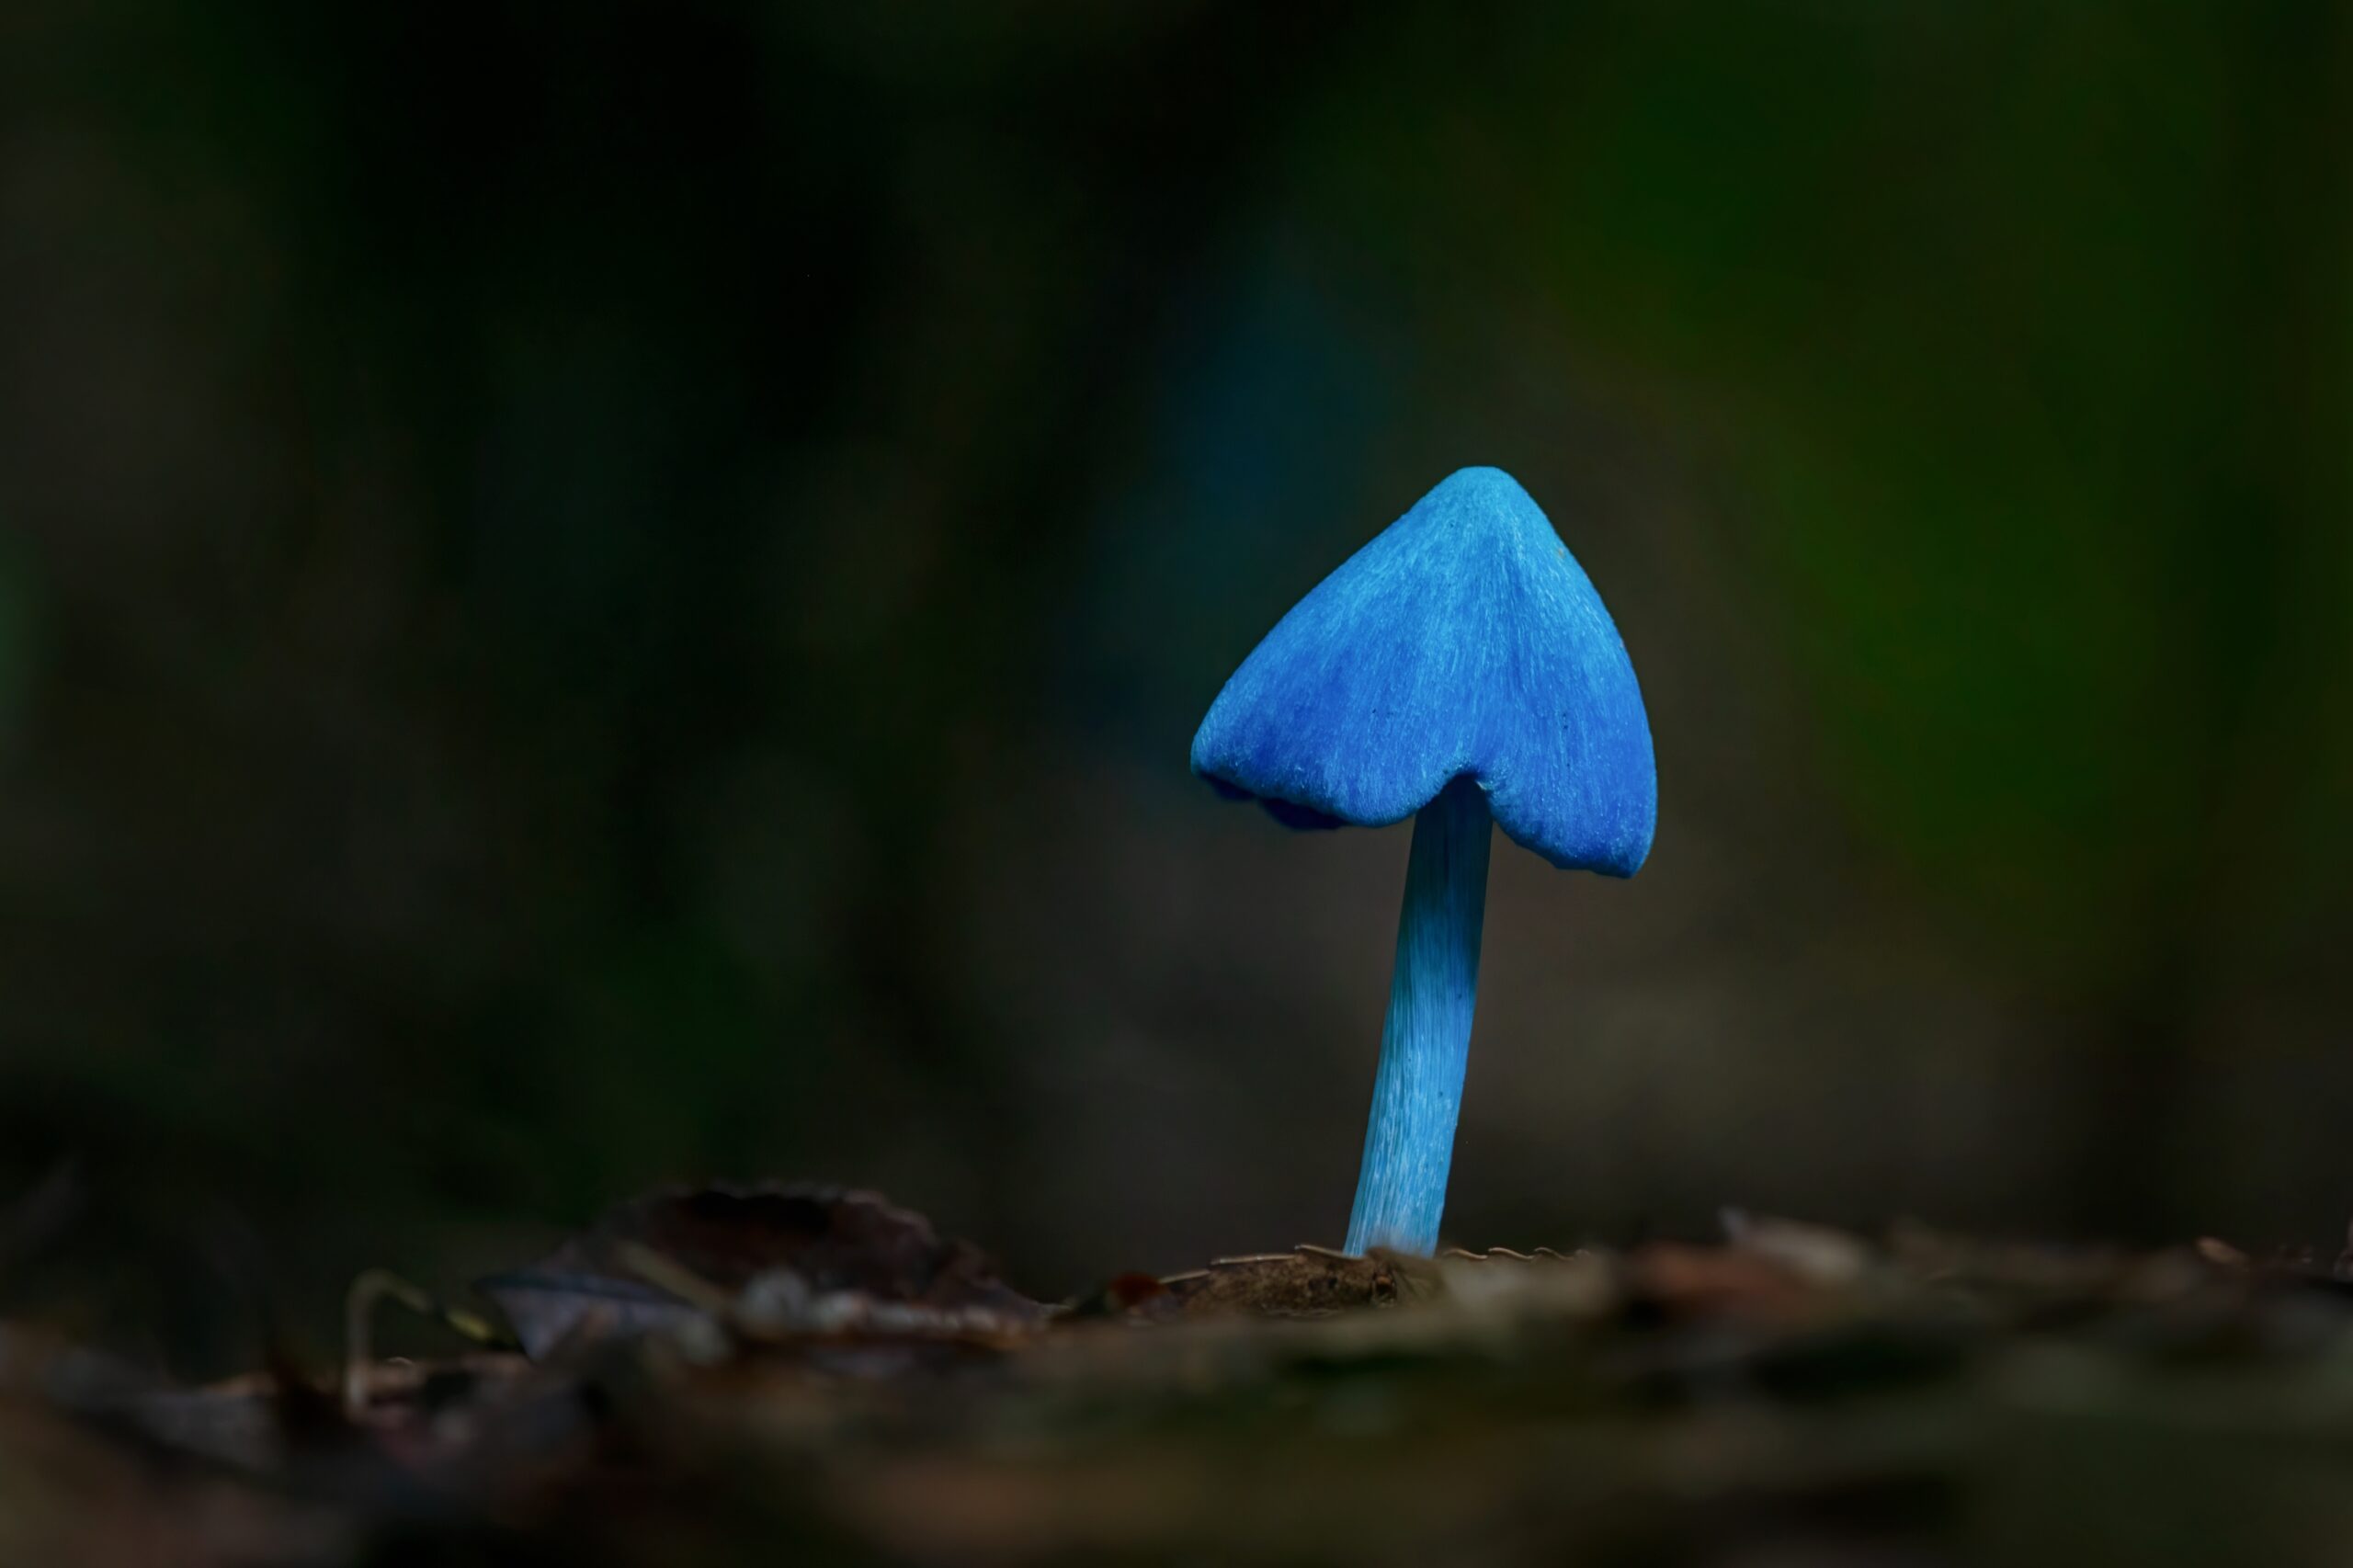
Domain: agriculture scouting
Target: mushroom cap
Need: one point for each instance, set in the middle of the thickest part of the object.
(1465, 639)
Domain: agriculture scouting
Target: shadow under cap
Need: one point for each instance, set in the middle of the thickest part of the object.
(1465, 639)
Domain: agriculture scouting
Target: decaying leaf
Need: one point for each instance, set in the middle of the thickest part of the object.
(549, 1309)
(788, 1258)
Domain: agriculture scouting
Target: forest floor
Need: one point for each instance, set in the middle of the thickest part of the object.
(807, 1375)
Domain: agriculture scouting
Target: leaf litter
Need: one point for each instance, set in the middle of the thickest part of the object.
(797, 1372)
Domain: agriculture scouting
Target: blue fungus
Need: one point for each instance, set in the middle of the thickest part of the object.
(1456, 669)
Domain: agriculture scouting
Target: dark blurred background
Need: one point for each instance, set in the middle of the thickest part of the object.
(603, 593)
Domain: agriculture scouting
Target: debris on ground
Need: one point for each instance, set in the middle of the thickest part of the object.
(801, 1374)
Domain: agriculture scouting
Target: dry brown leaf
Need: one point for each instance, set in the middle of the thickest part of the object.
(835, 1257)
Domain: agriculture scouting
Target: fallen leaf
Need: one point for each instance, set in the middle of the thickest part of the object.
(1678, 1282)
(798, 1258)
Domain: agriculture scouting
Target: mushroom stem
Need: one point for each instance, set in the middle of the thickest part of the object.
(1417, 1094)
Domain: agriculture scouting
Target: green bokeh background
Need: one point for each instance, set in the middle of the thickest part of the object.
(598, 593)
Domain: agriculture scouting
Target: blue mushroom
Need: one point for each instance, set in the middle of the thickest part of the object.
(1458, 669)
